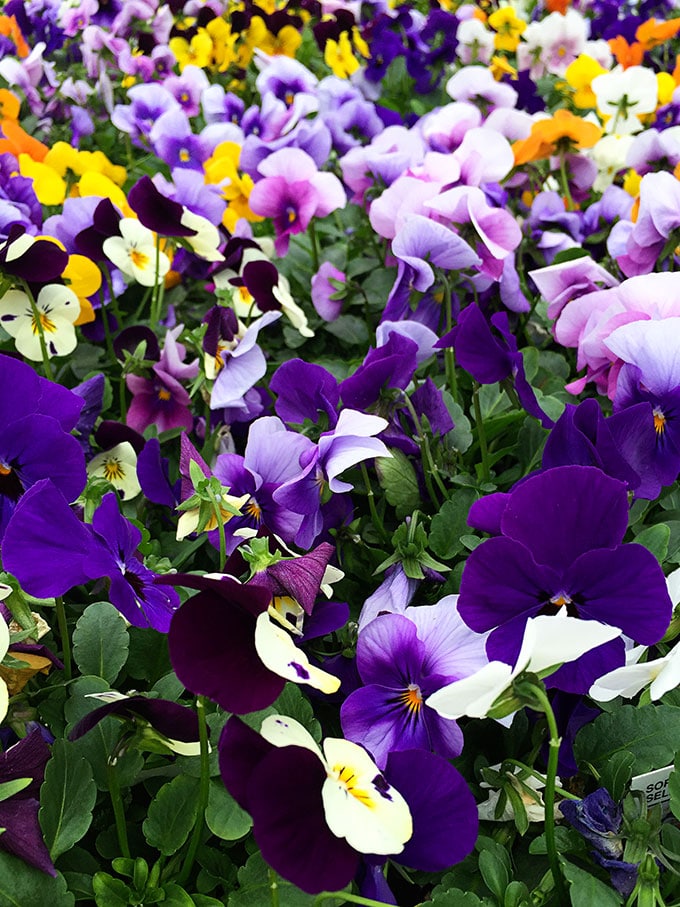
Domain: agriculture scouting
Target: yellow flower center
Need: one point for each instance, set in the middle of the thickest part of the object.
(347, 777)
(113, 471)
(659, 422)
(5, 470)
(45, 322)
(412, 699)
(164, 394)
(139, 259)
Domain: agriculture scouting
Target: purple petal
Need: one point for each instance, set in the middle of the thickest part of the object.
(212, 649)
(444, 812)
(560, 513)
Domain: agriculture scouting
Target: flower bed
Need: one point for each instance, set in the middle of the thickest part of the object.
(339, 448)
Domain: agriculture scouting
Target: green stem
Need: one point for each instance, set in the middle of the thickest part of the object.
(377, 522)
(345, 896)
(107, 329)
(38, 325)
(220, 527)
(315, 245)
(273, 887)
(449, 356)
(63, 633)
(565, 183)
(203, 792)
(113, 301)
(543, 703)
(158, 289)
(481, 434)
(117, 803)
(429, 466)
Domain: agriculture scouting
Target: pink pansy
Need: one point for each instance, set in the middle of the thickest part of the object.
(658, 216)
(586, 323)
(494, 232)
(292, 192)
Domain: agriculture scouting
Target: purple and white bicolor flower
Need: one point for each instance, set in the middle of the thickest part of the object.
(560, 551)
(547, 643)
(336, 805)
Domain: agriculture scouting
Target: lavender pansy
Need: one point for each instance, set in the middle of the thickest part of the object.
(401, 664)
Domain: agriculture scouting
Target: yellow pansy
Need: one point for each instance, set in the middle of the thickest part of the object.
(197, 52)
(84, 278)
(92, 183)
(222, 168)
(579, 76)
(61, 157)
(49, 187)
(508, 27)
(500, 66)
(223, 43)
(339, 57)
(360, 45)
(666, 87)
(631, 183)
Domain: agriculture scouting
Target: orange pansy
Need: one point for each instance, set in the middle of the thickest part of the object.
(626, 54)
(17, 141)
(654, 32)
(9, 27)
(562, 132)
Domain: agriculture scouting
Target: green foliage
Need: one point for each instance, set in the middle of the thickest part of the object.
(172, 814)
(650, 733)
(22, 885)
(101, 641)
(68, 795)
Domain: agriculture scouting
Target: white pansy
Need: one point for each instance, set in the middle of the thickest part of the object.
(119, 467)
(205, 241)
(134, 252)
(56, 308)
(623, 95)
(610, 156)
(549, 641)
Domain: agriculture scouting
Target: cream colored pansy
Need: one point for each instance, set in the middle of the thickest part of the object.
(189, 519)
(359, 805)
(119, 467)
(623, 95)
(205, 241)
(135, 253)
(56, 309)
(4, 646)
(278, 652)
(610, 156)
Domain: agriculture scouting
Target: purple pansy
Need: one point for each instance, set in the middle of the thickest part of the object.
(49, 551)
(21, 833)
(560, 546)
(402, 659)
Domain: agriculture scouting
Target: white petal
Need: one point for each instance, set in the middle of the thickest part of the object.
(625, 681)
(473, 695)
(4, 699)
(279, 653)
(119, 467)
(360, 805)
(4, 638)
(280, 730)
(563, 639)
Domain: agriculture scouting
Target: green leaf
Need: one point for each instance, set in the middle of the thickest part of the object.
(22, 885)
(176, 896)
(10, 788)
(100, 641)
(172, 814)
(460, 437)
(203, 900)
(399, 481)
(494, 873)
(674, 787)
(454, 897)
(110, 892)
(293, 703)
(656, 539)
(617, 772)
(67, 798)
(450, 524)
(224, 817)
(255, 888)
(586, 889)
(350, 330)
(651, 734)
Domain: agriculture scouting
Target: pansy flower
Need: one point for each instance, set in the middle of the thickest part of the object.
(49, 319)
(136, 254)
(49, 551)
(560, 549)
